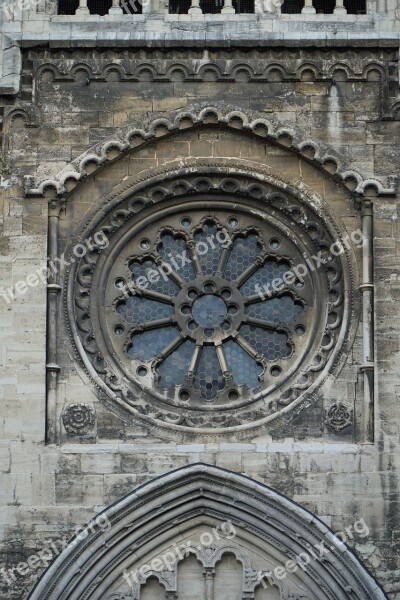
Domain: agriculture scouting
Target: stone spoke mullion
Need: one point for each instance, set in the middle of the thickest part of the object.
(251, 269)
(194, 362)
(195, 259)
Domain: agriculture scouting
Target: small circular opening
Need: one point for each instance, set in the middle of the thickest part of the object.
(119, 283)
(300, 330)
(226, 294)
(233, 222)
(192, 325)
(333, 296)
(185, 309)
(186, 222)
(276, 371)
(232, 309)
(209, 332)
(233, 395)
(142, 371)
(225, 326)
(192, 293)
(274, 244)
(209, 288)
(118, 330)
(144, 244)
(184, 395)
(331, 274)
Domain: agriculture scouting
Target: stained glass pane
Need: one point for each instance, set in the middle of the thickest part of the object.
(283, 309)
(270, 270)
(156, 279)
(243, 253)
(208, 380)
(244, 369)
(174, 252)
(271, 344)
(141, 310)
(146, 344)
(174, 368)
(208, 249)
(209, 311)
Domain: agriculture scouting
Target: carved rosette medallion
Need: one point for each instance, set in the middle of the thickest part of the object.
(78, 418)
(339, 416)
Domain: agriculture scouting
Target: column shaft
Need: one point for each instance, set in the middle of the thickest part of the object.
(83, 8)
(308, 7)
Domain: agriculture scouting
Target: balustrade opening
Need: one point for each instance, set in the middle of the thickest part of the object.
(132, 7)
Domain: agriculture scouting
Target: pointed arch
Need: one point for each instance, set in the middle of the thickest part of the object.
(166, 509)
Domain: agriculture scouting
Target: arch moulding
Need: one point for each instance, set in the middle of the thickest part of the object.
(91, 567)
(272, 130)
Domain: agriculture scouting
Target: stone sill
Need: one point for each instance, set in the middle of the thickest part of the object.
(288, 446)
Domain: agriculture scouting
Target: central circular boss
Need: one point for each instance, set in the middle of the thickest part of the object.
(209, 309)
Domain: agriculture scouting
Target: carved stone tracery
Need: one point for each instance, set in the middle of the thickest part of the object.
(205, 496)
(253, 192)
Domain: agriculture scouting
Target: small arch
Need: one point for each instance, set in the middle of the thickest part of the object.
(373, 72)
(113, 73)
(275, 73)
(153, 588)
(81, 68)
(242, 73)
(19, 118)
(210, 72)
(309, 149)
(236, 119)
(47, 74)
(308, 72)
(177, 72)
(285, 137)
(340, 72)
(160, 127)
(145, 72)
(330, 164)
(210, 115)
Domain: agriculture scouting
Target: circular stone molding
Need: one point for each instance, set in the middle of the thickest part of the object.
(78, 418)
(182, 318)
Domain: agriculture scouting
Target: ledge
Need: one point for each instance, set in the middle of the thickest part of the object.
(171, 31)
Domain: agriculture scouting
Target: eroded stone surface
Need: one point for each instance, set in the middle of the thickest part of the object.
(71, 102)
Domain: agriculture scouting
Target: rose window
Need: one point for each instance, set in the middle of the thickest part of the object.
(209, 313)
(201, 313)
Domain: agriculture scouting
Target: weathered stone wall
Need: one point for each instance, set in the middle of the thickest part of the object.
(73, 101)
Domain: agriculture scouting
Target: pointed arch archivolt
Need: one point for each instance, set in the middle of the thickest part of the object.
(269, 529)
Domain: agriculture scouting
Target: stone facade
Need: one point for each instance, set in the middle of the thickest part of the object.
(101, 112)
